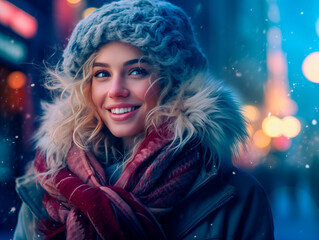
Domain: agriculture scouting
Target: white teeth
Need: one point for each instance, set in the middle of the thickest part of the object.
(122, 110)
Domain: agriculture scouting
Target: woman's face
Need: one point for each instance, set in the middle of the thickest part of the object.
(121, 88)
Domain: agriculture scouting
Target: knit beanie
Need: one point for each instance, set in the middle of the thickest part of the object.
(161, 30)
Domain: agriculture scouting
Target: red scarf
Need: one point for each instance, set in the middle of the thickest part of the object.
(83, 206)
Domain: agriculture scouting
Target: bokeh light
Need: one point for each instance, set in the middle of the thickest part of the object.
(74, 2)
(250, 129)
(88, 11)
(261, 140)
(310, 67)
(274, 38)
(272, 126)
(18, 20)
(251, 112)
(281, 143)
(16, 80)
(290, 126)
(273, 13)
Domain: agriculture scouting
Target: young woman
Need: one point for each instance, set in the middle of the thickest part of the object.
(139, 143)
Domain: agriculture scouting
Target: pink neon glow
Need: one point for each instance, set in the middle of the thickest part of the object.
(18, 20)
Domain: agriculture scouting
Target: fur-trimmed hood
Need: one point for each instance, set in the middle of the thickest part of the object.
(212, 114)
(209, 112)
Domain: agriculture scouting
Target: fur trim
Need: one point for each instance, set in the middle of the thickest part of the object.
(213, 113)
(44, 137)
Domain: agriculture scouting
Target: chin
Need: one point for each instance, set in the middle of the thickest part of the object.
(125, 134)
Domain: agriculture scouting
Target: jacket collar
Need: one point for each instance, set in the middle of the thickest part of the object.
(32, 194)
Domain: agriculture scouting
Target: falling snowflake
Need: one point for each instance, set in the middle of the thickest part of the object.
(12, 210)
(239, 74)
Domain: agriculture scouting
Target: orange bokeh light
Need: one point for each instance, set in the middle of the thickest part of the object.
(290, 126)
(251, 112)
(73, 2)
(17, 80)
(261, 140)
(88, 11)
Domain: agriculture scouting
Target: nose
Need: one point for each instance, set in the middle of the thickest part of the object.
(118, 87)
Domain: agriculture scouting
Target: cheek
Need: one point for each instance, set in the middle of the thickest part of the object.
(152, 95)
(96, 95)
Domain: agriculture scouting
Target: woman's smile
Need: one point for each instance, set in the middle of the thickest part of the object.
(122, 110)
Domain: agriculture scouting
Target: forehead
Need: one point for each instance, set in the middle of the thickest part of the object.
(117, 52)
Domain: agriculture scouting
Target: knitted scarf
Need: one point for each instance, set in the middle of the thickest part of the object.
(83, 206)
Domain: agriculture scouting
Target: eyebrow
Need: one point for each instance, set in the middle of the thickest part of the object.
(128, 63)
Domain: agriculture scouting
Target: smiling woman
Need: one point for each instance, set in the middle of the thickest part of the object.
(139, 143)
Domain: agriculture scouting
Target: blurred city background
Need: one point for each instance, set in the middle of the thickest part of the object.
(266, 50)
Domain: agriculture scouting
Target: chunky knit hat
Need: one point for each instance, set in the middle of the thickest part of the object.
(161, 30)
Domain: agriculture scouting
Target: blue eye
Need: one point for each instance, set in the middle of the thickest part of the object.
(102, 74)
(139, 71)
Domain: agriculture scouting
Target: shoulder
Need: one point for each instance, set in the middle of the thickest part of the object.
(247, 215)
(245, 183)
(250, 200)
(229, 205)
(31, 193)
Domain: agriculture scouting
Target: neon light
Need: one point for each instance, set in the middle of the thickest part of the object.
(18, 20)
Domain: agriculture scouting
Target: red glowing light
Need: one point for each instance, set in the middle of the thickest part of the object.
(281, 143)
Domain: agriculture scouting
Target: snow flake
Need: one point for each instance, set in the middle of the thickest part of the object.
(12, 210)
(239, 74)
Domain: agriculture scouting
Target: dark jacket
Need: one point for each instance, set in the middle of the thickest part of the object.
(231, 206)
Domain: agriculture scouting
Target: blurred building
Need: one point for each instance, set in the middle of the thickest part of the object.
(26, 39)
